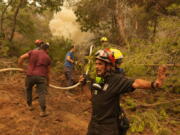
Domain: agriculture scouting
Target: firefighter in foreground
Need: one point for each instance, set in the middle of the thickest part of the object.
(37, 74)
(105, 92)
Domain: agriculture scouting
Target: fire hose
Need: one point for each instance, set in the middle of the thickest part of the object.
(51, 85)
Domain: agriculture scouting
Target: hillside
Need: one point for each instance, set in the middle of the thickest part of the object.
(69, 113)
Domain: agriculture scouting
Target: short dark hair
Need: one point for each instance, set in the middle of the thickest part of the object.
(44, 46)
(39, 44)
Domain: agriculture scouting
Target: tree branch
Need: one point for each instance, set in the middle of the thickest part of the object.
(157, 104)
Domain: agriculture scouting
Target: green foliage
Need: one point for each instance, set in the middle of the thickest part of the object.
(141, 57)
(174, 123)
(173, 9)
(98, 17)
(21, 19)
(149, 120)
(137, 125)
(85, 14)
(162, 114)
(146, 120)
(58, 49)
(29, 27)
(139, 19)
(130, 103)
(136, 61)
(14, 48)
(164, 131)
(4, 47)
(52, 5)
(175, 108)
(25, 24)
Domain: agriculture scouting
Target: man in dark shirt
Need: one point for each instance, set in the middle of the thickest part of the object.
(105, 95)
(37, 74)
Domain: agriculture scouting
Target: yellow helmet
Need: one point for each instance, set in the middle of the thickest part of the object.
(117, 53)
(103, 39)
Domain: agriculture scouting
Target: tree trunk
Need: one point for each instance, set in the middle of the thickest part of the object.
(119, 16)
(115, 31)
(120, 23)
(15, 20)
(2, 18)
(155, 29)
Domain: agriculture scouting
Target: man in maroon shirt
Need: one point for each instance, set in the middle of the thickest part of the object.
(37, 74)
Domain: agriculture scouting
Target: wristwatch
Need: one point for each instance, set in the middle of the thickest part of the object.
(154, 85)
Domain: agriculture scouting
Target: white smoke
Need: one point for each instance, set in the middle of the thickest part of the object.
(64, 24)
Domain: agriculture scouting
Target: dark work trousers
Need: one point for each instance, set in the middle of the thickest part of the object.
(41, 88)
(95, 128)
(123, 125)
(69, 75)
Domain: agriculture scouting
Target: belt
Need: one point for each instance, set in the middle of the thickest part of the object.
(105, 121)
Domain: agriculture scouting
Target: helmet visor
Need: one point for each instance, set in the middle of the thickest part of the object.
(101, 54)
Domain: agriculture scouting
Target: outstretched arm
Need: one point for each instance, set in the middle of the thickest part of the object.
(143, 84)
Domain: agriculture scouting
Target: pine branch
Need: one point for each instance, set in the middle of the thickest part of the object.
(157, 104)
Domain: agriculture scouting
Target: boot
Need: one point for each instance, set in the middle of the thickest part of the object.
(30, 108)
(43, 114)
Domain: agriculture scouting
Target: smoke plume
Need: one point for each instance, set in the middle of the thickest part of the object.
(64, 24)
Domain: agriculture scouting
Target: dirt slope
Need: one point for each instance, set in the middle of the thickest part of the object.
(66, 111)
